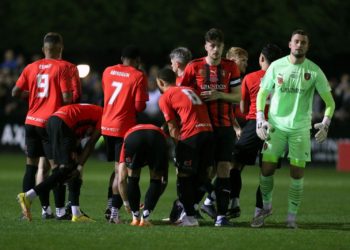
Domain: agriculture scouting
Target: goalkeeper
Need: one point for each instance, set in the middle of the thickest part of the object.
(293, 79)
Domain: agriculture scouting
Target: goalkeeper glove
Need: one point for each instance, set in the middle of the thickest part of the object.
(262, 126)
(322, 127)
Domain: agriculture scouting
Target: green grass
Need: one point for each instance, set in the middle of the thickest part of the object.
(324, 217)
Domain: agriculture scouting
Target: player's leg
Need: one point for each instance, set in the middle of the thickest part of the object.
(134, 195)
(223, 153)
(208, 206)
(273, 149)
(299, 154)
(60, 175)
(186, 163)
(234, 210)
(109, 197)
(34, 151)
(43, 172)
(206, 163)
(158, 167)
(113, 147)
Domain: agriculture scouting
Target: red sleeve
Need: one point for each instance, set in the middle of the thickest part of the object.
(188, 76)
(235, 79)
(142, 90)
(244, 90)
(140, 106)
(65, 81)
(76, 85)
(165, 107)
(22, 81)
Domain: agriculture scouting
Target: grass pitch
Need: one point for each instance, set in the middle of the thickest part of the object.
(324, 217)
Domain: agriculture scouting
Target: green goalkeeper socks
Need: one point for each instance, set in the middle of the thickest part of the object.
(266, 186)
(295, 194)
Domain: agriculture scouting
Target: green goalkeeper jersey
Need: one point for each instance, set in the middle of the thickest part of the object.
(293, 86)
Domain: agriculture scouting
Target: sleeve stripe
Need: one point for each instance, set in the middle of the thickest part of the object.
(235, 82)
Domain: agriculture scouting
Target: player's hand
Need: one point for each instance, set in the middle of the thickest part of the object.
(322, 127)
(262, 126)
(238, 131)
(210, 95)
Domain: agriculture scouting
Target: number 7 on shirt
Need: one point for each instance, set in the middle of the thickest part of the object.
(118, 87)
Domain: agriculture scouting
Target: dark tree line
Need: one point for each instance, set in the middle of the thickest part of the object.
(95, 30)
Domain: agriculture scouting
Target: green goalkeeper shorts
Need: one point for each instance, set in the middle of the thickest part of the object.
(298, 143)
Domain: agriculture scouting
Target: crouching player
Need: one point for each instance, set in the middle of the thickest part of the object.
(66, 127)
(190, 128)
(144, 144)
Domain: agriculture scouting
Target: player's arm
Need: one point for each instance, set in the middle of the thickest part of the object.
(234, 96)
(66, 86)
(76, 85)
(140, 106)
(88, 149)
(244, 103)
(174, 130)
(16, 92)
(262, 126)
(237, 128)
(141, 94)
(67, 97)
(261, 99)
(322, 127)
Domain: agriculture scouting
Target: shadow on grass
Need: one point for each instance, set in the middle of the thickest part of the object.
(273, 225)
(314, 226)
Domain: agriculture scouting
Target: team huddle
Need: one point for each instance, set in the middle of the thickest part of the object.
(198, 101)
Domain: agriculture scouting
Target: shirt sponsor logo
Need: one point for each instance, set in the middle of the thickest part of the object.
(119, 73)
(291, 90)
(213, 86)
(307, 76)
(110, 129)
(45, 66)
(36, 119)
(61, 112)
(203, 125)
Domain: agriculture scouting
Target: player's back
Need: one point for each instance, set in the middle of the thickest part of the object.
(188, 107)
(250, 89)
(45, 80)
(123, 86)
(81, 117)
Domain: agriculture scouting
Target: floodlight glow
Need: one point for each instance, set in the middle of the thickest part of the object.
(84, 70)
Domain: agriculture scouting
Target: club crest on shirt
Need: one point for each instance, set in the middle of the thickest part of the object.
(201, 72)
(307, 76)
(279, 78)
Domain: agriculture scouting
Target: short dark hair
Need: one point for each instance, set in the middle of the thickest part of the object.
(131, 52)
(182, 54)
(214, 35)
(53, 38)
(167, 75)
(271, 52)
(300, 32)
